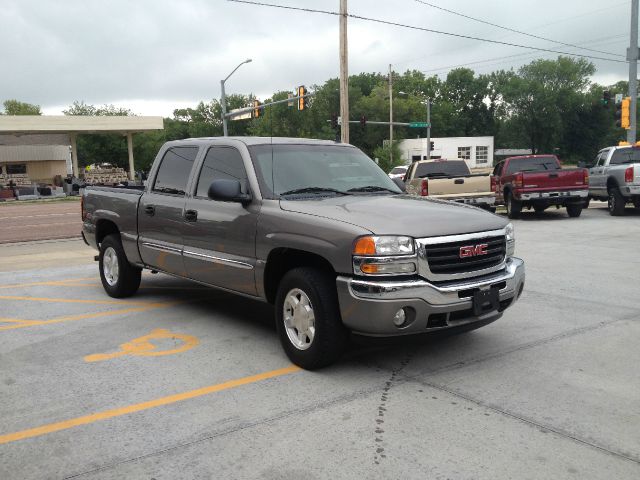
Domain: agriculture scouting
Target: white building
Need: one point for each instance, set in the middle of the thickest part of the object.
(477, 151)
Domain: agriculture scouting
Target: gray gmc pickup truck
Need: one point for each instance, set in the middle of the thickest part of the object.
(314, 227)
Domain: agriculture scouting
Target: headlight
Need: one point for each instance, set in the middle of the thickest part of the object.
(383, 245)
(511, 239)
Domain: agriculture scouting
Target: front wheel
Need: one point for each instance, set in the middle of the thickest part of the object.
(308, 318)
(616, 202)
(119, 278)
(574, 209)
(514, 207)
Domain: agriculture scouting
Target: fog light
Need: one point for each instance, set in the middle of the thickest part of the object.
(400, 317)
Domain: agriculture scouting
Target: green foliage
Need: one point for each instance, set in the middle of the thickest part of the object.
(14, 107)
(385, 160)
(549, 106)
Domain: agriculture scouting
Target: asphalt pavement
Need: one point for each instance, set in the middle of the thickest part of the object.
(184, 382)
(40, 220)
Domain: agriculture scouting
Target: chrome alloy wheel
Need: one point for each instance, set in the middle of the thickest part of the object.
(299, 319)
(110, 266)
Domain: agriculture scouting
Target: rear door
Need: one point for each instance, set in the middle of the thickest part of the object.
(219, 237)
(597, 176)
(161, 211)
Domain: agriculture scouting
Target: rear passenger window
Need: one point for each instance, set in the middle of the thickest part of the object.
(221, 162)
(174, 170)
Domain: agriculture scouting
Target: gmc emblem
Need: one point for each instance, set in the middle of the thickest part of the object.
(473, 250)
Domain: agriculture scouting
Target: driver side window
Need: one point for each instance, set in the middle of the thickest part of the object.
(221, 162)
(602, 158)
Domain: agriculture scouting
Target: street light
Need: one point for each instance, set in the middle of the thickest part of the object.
(223, 97)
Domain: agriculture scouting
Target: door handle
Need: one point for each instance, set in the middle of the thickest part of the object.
(150, 210)
(458, 181)
(191, 215)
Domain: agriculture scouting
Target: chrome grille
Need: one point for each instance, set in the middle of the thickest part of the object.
(444, 258)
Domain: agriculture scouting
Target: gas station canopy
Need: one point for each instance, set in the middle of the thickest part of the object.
(78, 124)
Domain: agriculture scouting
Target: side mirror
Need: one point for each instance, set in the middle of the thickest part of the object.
(400, 184)
(227, 190)
(582, 165)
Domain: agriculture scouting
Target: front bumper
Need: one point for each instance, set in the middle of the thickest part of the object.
(368, 306)
(562, 194)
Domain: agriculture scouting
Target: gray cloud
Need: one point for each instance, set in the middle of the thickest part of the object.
(170, 51)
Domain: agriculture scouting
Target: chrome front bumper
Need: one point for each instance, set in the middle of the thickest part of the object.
(368, 306)
(552, 195)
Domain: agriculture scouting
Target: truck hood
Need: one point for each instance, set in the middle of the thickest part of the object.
(399, 214)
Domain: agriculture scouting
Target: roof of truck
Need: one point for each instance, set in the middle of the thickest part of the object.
(261, 141)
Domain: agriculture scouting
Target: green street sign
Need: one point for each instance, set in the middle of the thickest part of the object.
(419, 125)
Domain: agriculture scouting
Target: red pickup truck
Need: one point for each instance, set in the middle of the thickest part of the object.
(539, 181)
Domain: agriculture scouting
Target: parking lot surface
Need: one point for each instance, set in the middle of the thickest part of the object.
(181, 381)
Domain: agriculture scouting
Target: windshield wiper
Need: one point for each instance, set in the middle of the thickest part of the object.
(371, 188)
(313, 190)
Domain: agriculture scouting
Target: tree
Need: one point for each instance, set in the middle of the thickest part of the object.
(14, 107)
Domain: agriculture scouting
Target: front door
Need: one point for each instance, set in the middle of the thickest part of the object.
(219, 237)
(161, 212)
(597, 179)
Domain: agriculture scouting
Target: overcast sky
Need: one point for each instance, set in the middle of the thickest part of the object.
(156, 55)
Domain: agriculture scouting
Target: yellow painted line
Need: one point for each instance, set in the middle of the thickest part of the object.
(71, 318)
(33, 284)
(16, 320)
(138, 407)
(71, 300)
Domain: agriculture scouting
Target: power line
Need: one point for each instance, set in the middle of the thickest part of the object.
(520, 32)
(450, 67)
(423, 29)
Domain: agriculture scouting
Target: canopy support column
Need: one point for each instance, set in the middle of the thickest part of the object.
(132, 172)
(74, 154)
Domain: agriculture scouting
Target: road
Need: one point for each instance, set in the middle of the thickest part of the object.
(39, 221)
(185, 382)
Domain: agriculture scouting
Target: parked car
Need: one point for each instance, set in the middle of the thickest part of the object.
(615, 176)
(398, 172)
(539, 182)
(450, 180)
(314, 227)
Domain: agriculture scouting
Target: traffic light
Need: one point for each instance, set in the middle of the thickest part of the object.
(606, 97)
(623, 112)
(625, 121)
(302, 102)
(256, 108)
(431, 146)
(334, 121)
(363, 121)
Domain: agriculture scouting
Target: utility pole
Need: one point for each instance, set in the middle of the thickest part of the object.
(223, 104)
(632, 56)
(390, 115)
(344, 74)
(429, 129)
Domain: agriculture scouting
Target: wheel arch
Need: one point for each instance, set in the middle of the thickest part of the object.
(105, 227)
(282, 259)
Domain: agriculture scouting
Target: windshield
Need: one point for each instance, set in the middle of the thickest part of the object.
(317, 170)
(449, 168)
(533, 164)
(625, 155)
(398, 170)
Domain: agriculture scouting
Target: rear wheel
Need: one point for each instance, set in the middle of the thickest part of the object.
(119, 277)
(616, 202)
(308, 318)
(514, 207)
(574, 209)
(585, 204)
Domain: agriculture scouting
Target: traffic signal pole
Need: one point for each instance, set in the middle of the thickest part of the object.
(429, 129)
(344, 72)
(632, 56)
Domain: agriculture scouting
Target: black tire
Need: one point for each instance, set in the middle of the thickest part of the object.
(514, 207)
(616, 202)
(585, 204)
(539, 208)
(330, 337)
(127, 279)
(574, 209)
(636, 203)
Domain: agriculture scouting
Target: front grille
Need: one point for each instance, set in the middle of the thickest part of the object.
(444, 258)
